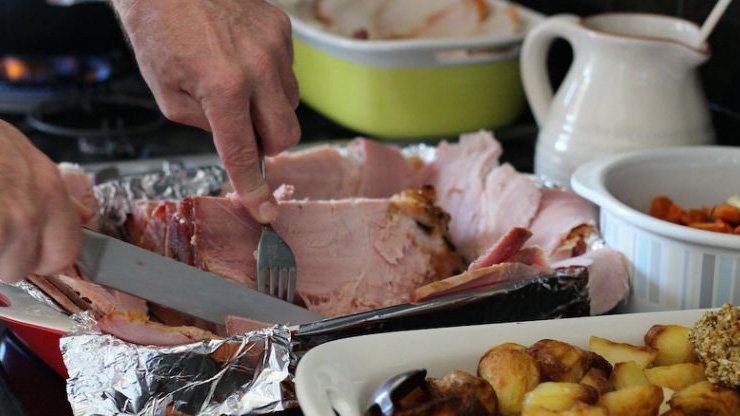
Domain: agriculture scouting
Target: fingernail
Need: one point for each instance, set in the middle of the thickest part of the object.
(268, 212)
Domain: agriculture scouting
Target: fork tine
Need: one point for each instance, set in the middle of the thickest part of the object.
(261, 279)
(291, 283)
(273, 277)
(280, 284)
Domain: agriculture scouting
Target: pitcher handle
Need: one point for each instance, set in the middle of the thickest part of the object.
(534, 60)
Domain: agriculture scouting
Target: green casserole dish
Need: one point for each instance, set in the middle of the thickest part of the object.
(411, 88)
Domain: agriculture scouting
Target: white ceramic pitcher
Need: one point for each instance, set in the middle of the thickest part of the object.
(633, 84)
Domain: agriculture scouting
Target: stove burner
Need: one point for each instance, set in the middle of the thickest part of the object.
(103, 126)
(43, 69)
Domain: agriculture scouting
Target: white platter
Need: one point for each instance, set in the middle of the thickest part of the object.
(341, 375)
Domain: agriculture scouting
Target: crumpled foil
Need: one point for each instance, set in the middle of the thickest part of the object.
(249, 374)
(171, 182)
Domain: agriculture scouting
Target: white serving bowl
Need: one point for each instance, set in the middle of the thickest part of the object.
(671, 266)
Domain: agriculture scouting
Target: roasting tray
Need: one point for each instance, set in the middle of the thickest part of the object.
(563, 293)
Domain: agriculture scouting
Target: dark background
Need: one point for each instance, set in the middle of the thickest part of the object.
(27, 387)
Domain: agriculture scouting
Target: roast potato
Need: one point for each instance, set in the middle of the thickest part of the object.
(705, 398)
(468, 387)
(560, 361)
(598, 380)
(559, 396)
(512, 372)
(673, 412)
(577, 410)
(676, 376)
(633, 401)
(628, 374)
(672, 343)
(616, 352)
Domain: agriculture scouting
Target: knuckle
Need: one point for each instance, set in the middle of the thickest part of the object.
(240, 158)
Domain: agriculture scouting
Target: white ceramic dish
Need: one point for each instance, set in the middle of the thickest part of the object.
(671, 266)
(342, 375)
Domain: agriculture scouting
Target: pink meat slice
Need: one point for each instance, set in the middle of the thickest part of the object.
(531, 256)
(384, 170)
(475, 280)
(508, 245)
(559, 213)
(608, 277)
(236, 325)
(318, 173)
(137, 329)
(352, 254)
(147, 224)
(484, 199)
(104, 300)
(365, 168)
(80, 187)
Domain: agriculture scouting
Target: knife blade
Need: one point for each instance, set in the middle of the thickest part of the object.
(122, 266)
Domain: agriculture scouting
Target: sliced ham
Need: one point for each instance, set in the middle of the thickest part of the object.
(608, 277)
(560, 213)
(138, 329)
(64, 299)
(321, 172)
(103, 300)
(485, 200)
(531, 256)
(236, 325)
(507, 246)
(375, 250)
(365, 168)
(475, 280)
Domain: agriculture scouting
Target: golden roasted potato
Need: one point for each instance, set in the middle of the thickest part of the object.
(578, 410)
(598, 380)
(466, 386)
(633, 401)
(676, 376)
(673, 412)
(512, 373)
(559, 396)
(672, 343)
(628, 374)
(705, 398)
(597, 361)
(560, 361)
(615, 352)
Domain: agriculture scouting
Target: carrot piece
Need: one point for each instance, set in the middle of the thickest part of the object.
(694, 215)
(660, 206)
(727, 213)
(737, 230)
(716, 226)
(674, 214)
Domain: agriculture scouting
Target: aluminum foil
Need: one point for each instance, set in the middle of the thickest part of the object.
(171, 182)
(248, 374)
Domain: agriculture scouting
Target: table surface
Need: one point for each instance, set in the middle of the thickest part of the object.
(29, 388)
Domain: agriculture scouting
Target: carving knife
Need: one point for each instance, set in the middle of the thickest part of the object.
(122, 266)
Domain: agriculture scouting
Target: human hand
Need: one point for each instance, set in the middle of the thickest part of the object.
(223, 66)
(39, 222)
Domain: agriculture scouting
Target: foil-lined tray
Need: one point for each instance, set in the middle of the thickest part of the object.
(111, 377)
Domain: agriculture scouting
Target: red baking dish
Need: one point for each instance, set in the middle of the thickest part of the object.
(37, 325)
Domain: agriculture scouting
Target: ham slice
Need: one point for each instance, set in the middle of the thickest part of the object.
(236, 325)
(608, 277)
(103, 300)
(507, 246)
(475, 280)
(364, 168)
(484, 200)
(560, 213)
(377, 251)
(138, 329)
